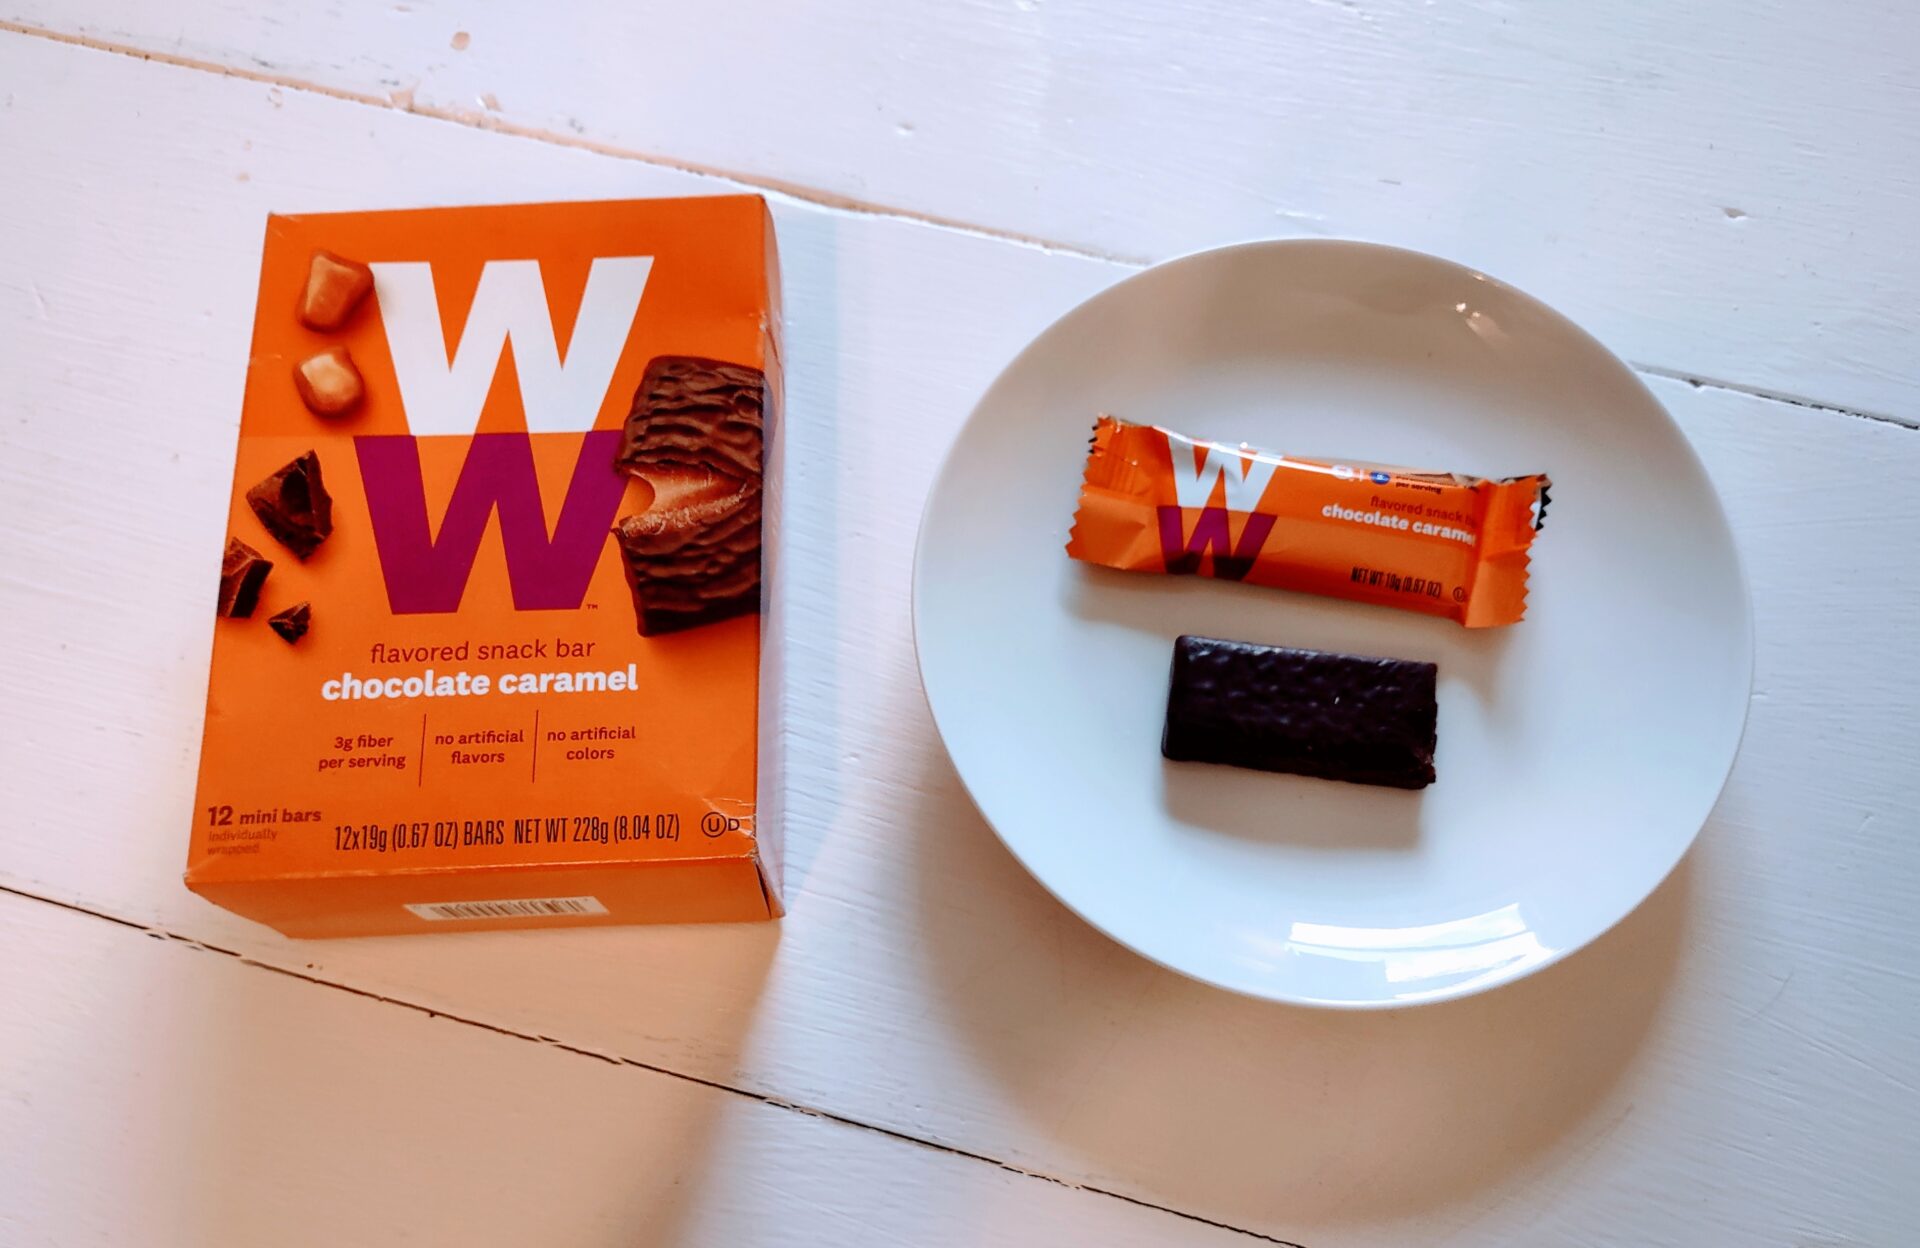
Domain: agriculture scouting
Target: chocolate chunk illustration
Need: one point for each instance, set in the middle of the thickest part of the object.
(242, 572)
(294, 506)
(292, 624)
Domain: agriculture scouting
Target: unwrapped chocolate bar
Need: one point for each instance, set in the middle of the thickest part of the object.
(1336, 716)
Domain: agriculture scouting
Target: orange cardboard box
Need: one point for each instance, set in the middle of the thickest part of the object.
(509, 466)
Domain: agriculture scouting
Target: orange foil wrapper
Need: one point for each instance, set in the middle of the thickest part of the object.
(1439, 543)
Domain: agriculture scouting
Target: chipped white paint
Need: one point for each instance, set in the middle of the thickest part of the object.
(1732, 1065)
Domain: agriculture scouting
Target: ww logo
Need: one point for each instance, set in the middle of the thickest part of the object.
(443, 392)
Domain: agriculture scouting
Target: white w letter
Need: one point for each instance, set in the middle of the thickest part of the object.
(1194, 487)
(442, 396)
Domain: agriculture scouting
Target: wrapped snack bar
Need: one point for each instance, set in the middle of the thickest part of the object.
(1153, 500)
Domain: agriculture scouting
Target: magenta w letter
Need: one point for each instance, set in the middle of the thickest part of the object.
(1210, 533)
(425, 574)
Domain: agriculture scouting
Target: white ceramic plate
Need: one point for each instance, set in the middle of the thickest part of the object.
(1579, 751)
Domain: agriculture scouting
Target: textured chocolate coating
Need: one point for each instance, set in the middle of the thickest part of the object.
(292, 624)
(691, 412)
(693, 565)
(294, 506)
(242, 572)
(1370, 721)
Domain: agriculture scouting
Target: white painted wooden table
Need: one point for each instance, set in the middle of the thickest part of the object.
(929, 1050)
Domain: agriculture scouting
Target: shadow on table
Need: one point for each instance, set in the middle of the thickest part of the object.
(804, 624)
(1257, 806)
(410, 1102)
(1257, 1114)
(448, 1131)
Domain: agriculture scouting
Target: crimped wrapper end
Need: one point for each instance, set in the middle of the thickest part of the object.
(1107, 475)
(1515, 511)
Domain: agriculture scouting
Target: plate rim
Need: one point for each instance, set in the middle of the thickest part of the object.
(1472, 988)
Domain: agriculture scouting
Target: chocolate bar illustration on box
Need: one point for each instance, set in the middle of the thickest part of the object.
(697, 435)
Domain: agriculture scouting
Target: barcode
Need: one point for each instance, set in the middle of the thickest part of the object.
(1373, 578)
(511, 908)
